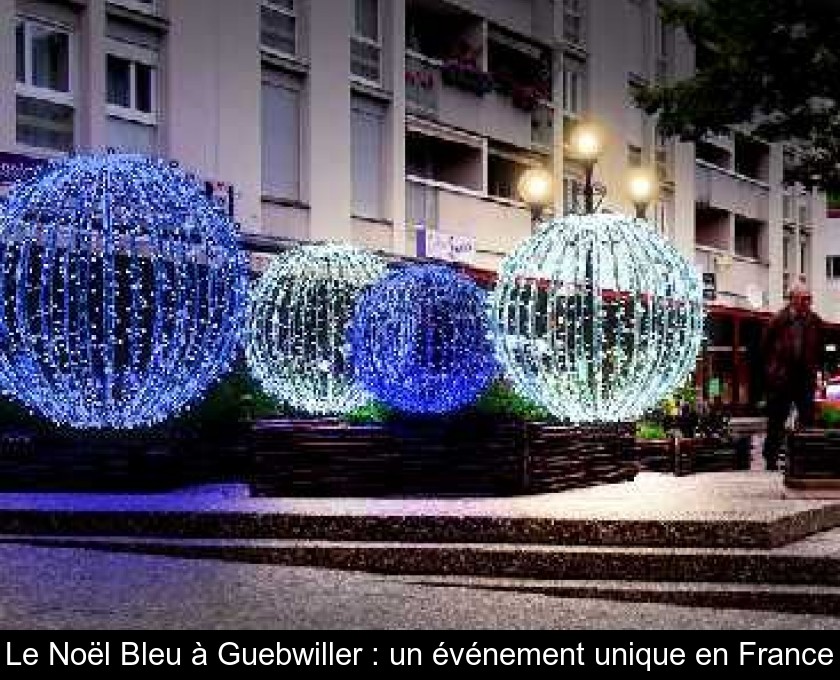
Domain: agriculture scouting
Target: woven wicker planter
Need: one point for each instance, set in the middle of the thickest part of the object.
(443, 457)
(813, 460)
(696, 454)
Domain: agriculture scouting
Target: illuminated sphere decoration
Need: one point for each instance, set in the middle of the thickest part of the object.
(123, 292)
(421, 340)
(301, 309)
(597, 318)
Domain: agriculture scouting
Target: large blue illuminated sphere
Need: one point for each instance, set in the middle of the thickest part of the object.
(421, 342)
(597, 318)
(123, 292)
(301, 309)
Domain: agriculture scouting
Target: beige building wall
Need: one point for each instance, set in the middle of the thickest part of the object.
(211, 68)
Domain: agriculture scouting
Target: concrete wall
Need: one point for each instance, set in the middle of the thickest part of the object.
(213, 94)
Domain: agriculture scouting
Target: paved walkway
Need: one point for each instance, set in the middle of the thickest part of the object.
(753, 494)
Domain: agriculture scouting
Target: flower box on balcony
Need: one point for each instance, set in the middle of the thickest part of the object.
(466, 77)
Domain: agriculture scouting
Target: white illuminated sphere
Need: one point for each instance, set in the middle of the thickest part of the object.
(297, 339)
(597, 318)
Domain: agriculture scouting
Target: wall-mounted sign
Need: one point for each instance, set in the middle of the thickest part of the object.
(15, 167)
(221, 194)
(440, 245)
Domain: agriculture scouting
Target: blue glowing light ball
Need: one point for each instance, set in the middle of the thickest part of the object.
(420, 340)
(123, 292)
(597, 318)
(301, 309)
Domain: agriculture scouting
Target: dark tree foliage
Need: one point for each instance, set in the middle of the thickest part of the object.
(772, 66)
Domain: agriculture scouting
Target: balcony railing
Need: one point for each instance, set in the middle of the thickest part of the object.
(542, 126)
(738, 194)
(421, 204)
(422, 83)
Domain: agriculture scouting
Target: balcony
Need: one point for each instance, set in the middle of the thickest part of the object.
(741, 282)
(471, 105)
(497, 225)
(726, 190)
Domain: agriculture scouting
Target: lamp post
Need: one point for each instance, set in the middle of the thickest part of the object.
(586, 144)
(536, 188)
(641, 185)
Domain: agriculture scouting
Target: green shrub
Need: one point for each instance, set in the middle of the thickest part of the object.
(648, 430)
(372, 413)
(831, 417)
(502, 401)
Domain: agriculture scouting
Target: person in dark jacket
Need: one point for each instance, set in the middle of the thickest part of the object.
(792, 354)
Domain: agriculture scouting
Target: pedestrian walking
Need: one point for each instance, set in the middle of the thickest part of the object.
(792, 355)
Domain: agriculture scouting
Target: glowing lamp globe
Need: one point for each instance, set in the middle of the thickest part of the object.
(597, 318)
(123, 292)
(421, 340)
(300, 312)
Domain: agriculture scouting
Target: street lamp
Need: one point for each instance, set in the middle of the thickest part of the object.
(641, 185)
(586, 144)
(536, 188)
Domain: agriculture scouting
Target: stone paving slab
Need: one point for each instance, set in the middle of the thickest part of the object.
(781, 566)
(738, 509)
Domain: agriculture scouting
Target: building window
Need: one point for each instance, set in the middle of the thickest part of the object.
(146, 6)
(365, 43)
(573, 21)
(572, 194)
(281, 135)
(367, 125)
(504, 171)
(634, 156)
(804, 256)
(748, 236)
(664, 39)
(574, 82)
(637, 38)
(278, 27)
(45, 108)
(832, 267)
(132, 98)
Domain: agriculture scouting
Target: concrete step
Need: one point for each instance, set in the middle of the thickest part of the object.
(766, 529)
(814, 562)
(794, 599)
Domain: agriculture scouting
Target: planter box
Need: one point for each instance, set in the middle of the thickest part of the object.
(812, 464)
(136, 461)
(461, 456)
(694, 454)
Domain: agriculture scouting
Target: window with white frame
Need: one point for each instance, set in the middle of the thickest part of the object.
(832, 268)
(279, 27)
(805, 256)
(574, 87)
(366, 41)
(132, 97)
(45, 108)
(636, 38)
(573, 14)
(572, 193)
(146, 6)
(664, 39)
(281, 135)
(367, 127)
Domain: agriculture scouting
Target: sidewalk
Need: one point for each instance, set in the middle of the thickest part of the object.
(726, 537)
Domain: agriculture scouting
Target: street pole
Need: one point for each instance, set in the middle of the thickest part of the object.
(588, 189)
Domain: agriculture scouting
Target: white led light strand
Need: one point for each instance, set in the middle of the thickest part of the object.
(301, 310)
(123, 292)
(597, 318)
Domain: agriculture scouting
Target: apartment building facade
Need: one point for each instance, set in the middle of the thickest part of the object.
(404, 126)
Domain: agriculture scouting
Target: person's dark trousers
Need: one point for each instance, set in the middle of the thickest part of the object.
(779, 402)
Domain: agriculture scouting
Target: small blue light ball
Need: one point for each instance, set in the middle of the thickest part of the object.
(122, 292)
(420, 340)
